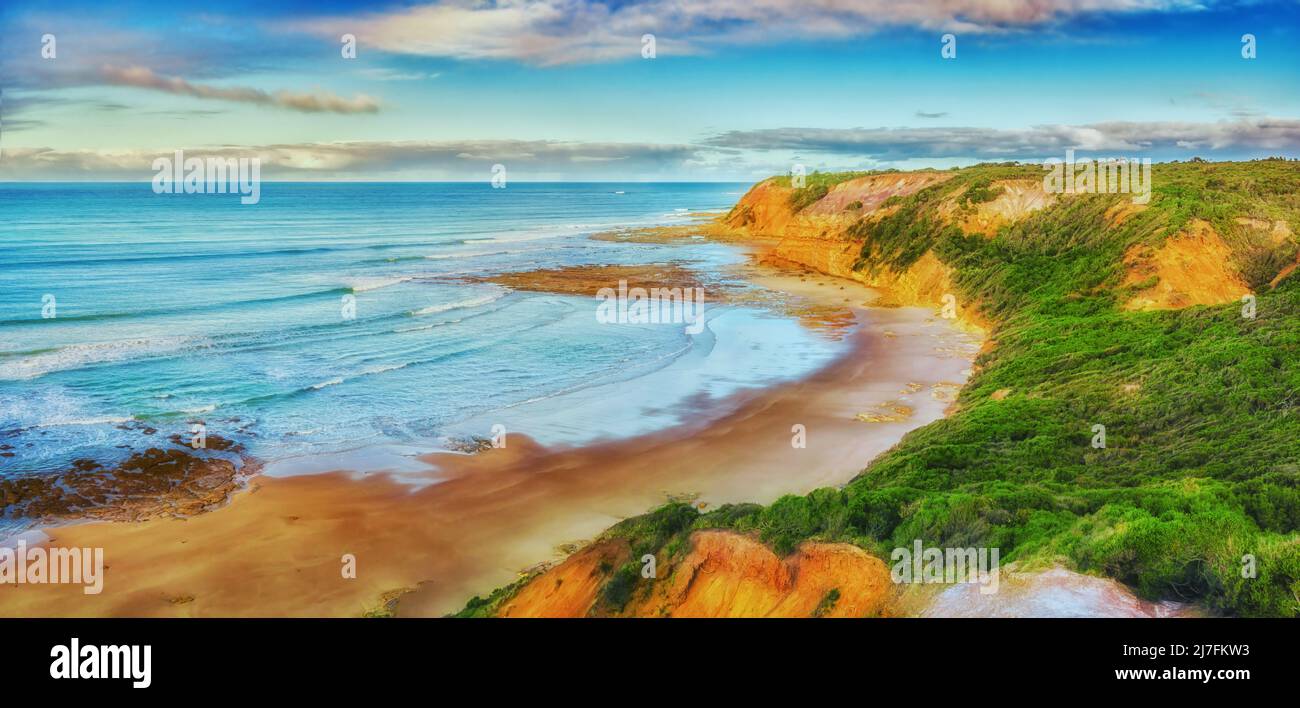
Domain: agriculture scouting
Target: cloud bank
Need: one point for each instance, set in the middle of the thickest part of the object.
(316, 102)
(1025, 144)
(429, 160)
(551, 32)
(726, 155)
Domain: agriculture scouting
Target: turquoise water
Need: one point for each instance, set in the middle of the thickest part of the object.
(179, 308)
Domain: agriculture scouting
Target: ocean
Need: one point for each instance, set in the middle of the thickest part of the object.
(122, 310)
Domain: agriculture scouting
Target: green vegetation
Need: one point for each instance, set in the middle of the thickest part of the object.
(488, 606)
(979, 192)
(1201, 406)
(816, 185)
(898, 240)
(827, 603)
(617, 591)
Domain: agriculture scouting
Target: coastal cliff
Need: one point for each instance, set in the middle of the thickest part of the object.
(1172, 326)
(823, 235)
(723, 574)
(828, 234)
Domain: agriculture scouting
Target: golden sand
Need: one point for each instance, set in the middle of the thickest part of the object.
(278, 548)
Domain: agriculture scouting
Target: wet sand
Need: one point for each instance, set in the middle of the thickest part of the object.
(277, 549)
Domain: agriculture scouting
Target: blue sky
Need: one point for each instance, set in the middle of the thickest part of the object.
(558, 89)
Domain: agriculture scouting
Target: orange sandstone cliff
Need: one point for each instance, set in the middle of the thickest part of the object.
(819, 238)
(728, 574)
(724, 574)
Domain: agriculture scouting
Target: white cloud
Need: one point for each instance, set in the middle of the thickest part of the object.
(315, 102)
(723, 156)
(1020, 144)
(549, 32)
(385, 74)
(457, 159)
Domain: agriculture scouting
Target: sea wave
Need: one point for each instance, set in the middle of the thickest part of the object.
(76, 356)
(361, 285)
(372, 371)
(54, 407)
(422, 328)
(470, 254)
(104, 420)
(521, 239)
(174, 257)
(202, 307)
(460, 304)
(535, 235)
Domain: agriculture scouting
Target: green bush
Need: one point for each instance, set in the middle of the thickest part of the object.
(1201, 468)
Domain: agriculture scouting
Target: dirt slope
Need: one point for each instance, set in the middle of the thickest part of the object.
(569, 589)
(1191, 268)
(815, 237)
(1017, 199)
(724, 574)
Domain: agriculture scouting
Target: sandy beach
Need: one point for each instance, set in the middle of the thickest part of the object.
(423, 547)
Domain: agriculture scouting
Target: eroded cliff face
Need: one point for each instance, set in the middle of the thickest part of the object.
(1285, 273)
(727, 574)
(1276, 233)
(817, 236)
(569, 589)
(1194, 267)
(764, 212)
(1016, 200)
(724, 574)
(730, 575)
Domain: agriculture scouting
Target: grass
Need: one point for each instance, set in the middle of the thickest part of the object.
(827, 603)
(1200, 475)
(818, 184)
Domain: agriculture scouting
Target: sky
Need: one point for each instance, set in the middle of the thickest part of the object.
(568, 90)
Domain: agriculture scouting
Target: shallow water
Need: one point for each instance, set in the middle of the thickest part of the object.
(179, 308)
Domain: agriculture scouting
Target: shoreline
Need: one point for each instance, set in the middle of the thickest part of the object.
(276, 548)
